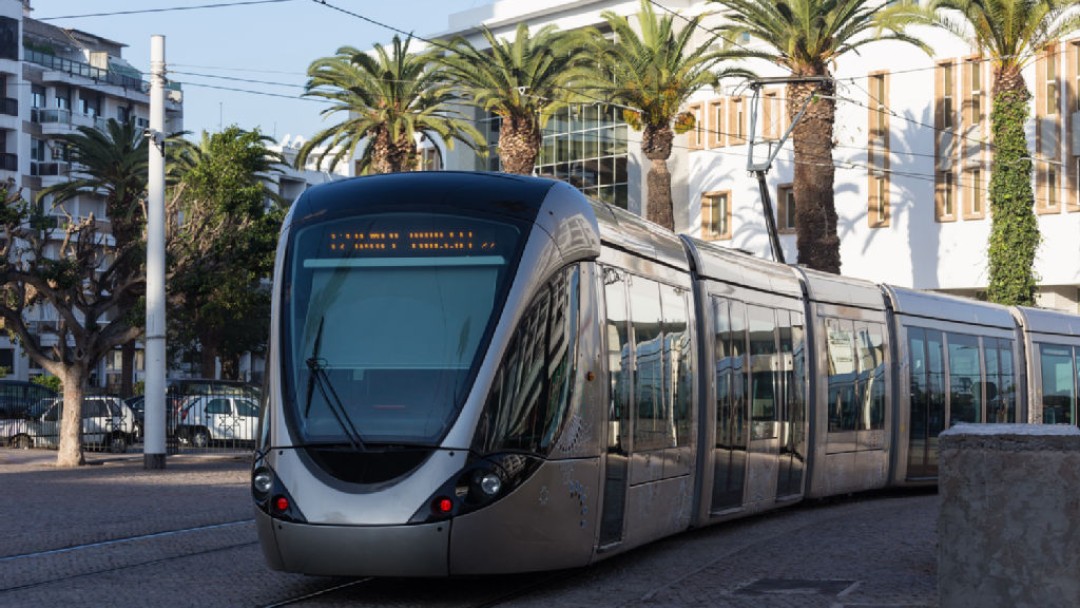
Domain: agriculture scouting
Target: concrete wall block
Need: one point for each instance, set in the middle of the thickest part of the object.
(1009, 525)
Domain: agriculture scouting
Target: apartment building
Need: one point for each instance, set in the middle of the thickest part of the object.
(53, 81)
(912, 154)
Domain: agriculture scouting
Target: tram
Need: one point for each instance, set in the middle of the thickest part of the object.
(479, 373)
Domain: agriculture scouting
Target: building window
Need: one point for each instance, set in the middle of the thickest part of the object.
(785, 209)
(976, 91)
(585, 146)
(877, 102)
(945, 196)
(716, 216)
(717, 137)
(37, 96)
(947, 96)
(1053, 99)
(977, 206)
(697, 134)
(736, 128)
(877, 204)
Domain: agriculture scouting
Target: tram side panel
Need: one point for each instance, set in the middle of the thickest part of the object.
(852, 404)
(549, 522)
(1052, 343)
(649, 450)
(959, 361)
(754, 425)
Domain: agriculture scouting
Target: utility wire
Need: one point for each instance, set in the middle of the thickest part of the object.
(163, 9)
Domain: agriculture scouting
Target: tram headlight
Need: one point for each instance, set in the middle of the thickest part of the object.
(489, 483)
(262, 481)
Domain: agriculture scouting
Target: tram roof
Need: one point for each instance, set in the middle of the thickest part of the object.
(840, 290)
(1039, 320)
(946, 307)
(740, 268)
(515, 195)
(624, 230)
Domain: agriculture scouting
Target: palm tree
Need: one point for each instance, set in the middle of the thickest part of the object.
(387, 99)
(652, 71)
(805, 37)
(523, 81)
(112, 162)
(1011, 33)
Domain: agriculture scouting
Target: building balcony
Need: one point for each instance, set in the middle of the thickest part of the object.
(9, 161)
(9, 106)
(56, 121)
(61, 66)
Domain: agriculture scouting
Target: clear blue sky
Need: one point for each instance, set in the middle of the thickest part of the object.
(273, 42)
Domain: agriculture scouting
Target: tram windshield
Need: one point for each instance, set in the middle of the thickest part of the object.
(386, 319)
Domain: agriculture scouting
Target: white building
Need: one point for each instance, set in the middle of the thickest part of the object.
(52, 81)
(912, 155)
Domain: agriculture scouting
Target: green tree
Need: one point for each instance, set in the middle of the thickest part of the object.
(92, 279)
(387, 99)
(224, 247)
(806, 37)
(653, 70)
(523, 81)
(1010, 33)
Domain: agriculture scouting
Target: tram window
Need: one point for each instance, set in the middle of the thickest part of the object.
(677, 358)
(763, 370)
(532, 388)
(652, 406)
(843, 401)
(618, 345)
(1058, 383)
(871, 340)
(1000, 384)
(737, 348)
(722, 353)
(965, 379)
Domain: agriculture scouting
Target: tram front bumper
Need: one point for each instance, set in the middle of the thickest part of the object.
(416, 550)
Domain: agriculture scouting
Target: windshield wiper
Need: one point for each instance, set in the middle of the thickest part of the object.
(318, 377)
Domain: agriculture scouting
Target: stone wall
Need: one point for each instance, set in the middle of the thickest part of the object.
(1009, 527)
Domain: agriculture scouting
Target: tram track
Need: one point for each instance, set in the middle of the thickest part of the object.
(55, 566)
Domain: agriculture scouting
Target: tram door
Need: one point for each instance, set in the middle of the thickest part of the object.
(730, 448)
(927, 366)
(617, 455)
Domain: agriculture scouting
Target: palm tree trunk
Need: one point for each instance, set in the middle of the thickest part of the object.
(815, 208)
(519, 143)
(656, 146)
(1014, 231)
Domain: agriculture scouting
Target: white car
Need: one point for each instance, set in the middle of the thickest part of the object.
(106, 423)
(207, 418)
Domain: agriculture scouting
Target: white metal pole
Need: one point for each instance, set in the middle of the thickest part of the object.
(155, 414)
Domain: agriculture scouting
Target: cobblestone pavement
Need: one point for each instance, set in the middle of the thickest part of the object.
(116, 535)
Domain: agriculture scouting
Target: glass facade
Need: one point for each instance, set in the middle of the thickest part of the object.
(585, 146)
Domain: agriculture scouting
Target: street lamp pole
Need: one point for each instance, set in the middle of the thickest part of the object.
(154, 432)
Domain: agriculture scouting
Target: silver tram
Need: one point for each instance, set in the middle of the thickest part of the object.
(485, 373)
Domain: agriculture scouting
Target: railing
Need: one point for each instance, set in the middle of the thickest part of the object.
(66, 117)
(78, 68)
(50, 168)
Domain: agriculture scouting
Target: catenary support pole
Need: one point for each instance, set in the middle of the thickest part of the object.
(155, 414)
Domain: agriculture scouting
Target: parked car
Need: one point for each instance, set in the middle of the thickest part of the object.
(179, 391)
(17, 400)
(208, 418)
(138, 406)
(107, 423)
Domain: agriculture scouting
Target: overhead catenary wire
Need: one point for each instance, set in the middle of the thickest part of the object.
(166, 9)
